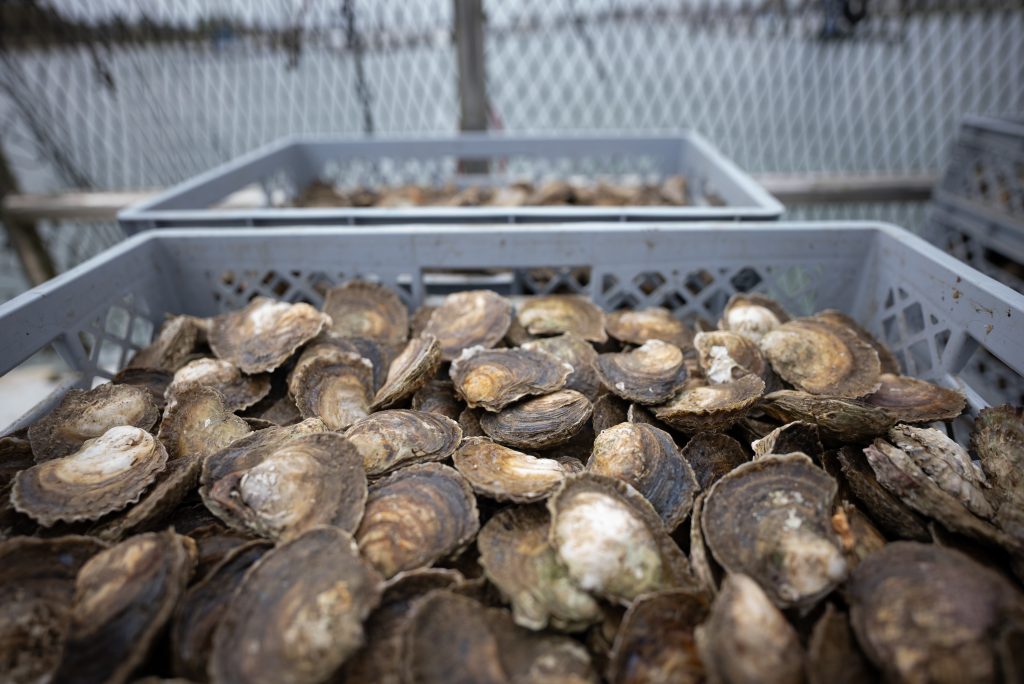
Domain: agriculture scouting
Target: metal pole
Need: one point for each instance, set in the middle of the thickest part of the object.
(469, 48)
(22, 234)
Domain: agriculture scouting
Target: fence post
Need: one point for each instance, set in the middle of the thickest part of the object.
(469, 49)
(23, 234)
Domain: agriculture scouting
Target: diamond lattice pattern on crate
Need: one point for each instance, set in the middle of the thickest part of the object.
(109, 341)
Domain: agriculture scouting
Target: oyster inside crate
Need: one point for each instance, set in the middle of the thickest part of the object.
(604, 490)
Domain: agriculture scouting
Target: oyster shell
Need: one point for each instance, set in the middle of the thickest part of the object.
(655, 641)
(797, 436)
(890, 512)
(822, 358)
(298, 613)
(838, 419)
(998, 439)
(539, 422)
(747, 640)
(579, 354)
(178, 337)
(648, 459)
(260, 337)
(199, 611)
(833, 656)
(469, 319)
(711, 455)
(927, 613)
(417, 516)
(153, 380)
(505, 474)
(332, 385)
(517, 558)
(278, 484)
(910, 400)
(888, 362)
(106, 474)
(469, 421)
(362, 309)
(239, 391)
(37, 585)
(199, 424)
(752, 315)
(712, 407)
(410, 371)
(123, 597)
(654, 323)
(392, 439)
(726, 356)
(539, 657)
(649, 374)
(438, 396)
(704, 573)
(771, 520)
(494, 378)
(612, 541)
(609, 410)
(420, 318)
(87, 414)
(557, 314)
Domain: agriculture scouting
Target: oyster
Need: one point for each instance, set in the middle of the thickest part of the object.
(833, 656)
(579, 354)
(714, 407)
(655, 641)
(87, 414)
(239, 391)
(889, 511)
(37, 585)
(858, 536)
(410, 371)
(530, 657)
(419, 320)
(772, 520)
(517, 558)
(649, 374)
(332, 385)
(178, 337)
(703, 572)
(106, 474)
(797, 436)
(822, 358)
(746, 638)
(539, 422)
(557, 314)
(362, 309)
(123, 598)
(504, 474)
(438, 396)
(278, 484)
(494, 378)
(199, 424)
(838, 419)
(752, 315)
(726, 356)
(469, 319)
(927, 613)
(910, 400)
(153, 380)
(612, 541)
(200, 609)
(260, 337)
(888, 362)
(417, 516)
(998, 439)
(711, 455)
(655, 323)
(609, 410)
(298, 613)
(469, 421)
(392, 439)
(648, 459)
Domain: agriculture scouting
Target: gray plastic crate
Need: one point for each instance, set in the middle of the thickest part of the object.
(281, 170)
(933, 312)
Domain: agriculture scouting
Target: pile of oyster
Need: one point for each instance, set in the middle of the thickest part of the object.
(489, 491)
(673, 191)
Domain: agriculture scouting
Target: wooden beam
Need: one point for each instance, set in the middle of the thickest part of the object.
(22, 234)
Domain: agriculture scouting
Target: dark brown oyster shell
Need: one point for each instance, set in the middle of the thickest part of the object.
(747, 640)
(199, 424)
(726, 356)
(609, 410)
(517, 558)
(87, 414)
(505, 474)
(200, 609)
(214, 542)
(579, 354)
(557, 314)
(771, 519)
(833, 656)
(178, 337)
(239, 391)
(889, 511)
(822, 358)
(388, 440)
(438, 396)
(539, 422)
(612, 541)
(838, 419)
(648, 459)
(752, 315)
(492, 379)
(469, 421)
(278, 485)
(362, 309)
(530, 657)
(712, 455)
(411, 370)
(998, 439)
(377, 352)
(650, 374)
(469, 319)
(332, 385)
(420, 318)
(106, 474)
(797, 436)
(655, 641)
(417, 516)
(260, 337)
(37, 585)
(712, 407)
(910, 400)
(922, 612)
(123, 598)
(153, 380)
(704, 572)
(298, 613)
(888, 362)
(857, 534)
(655, 323)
